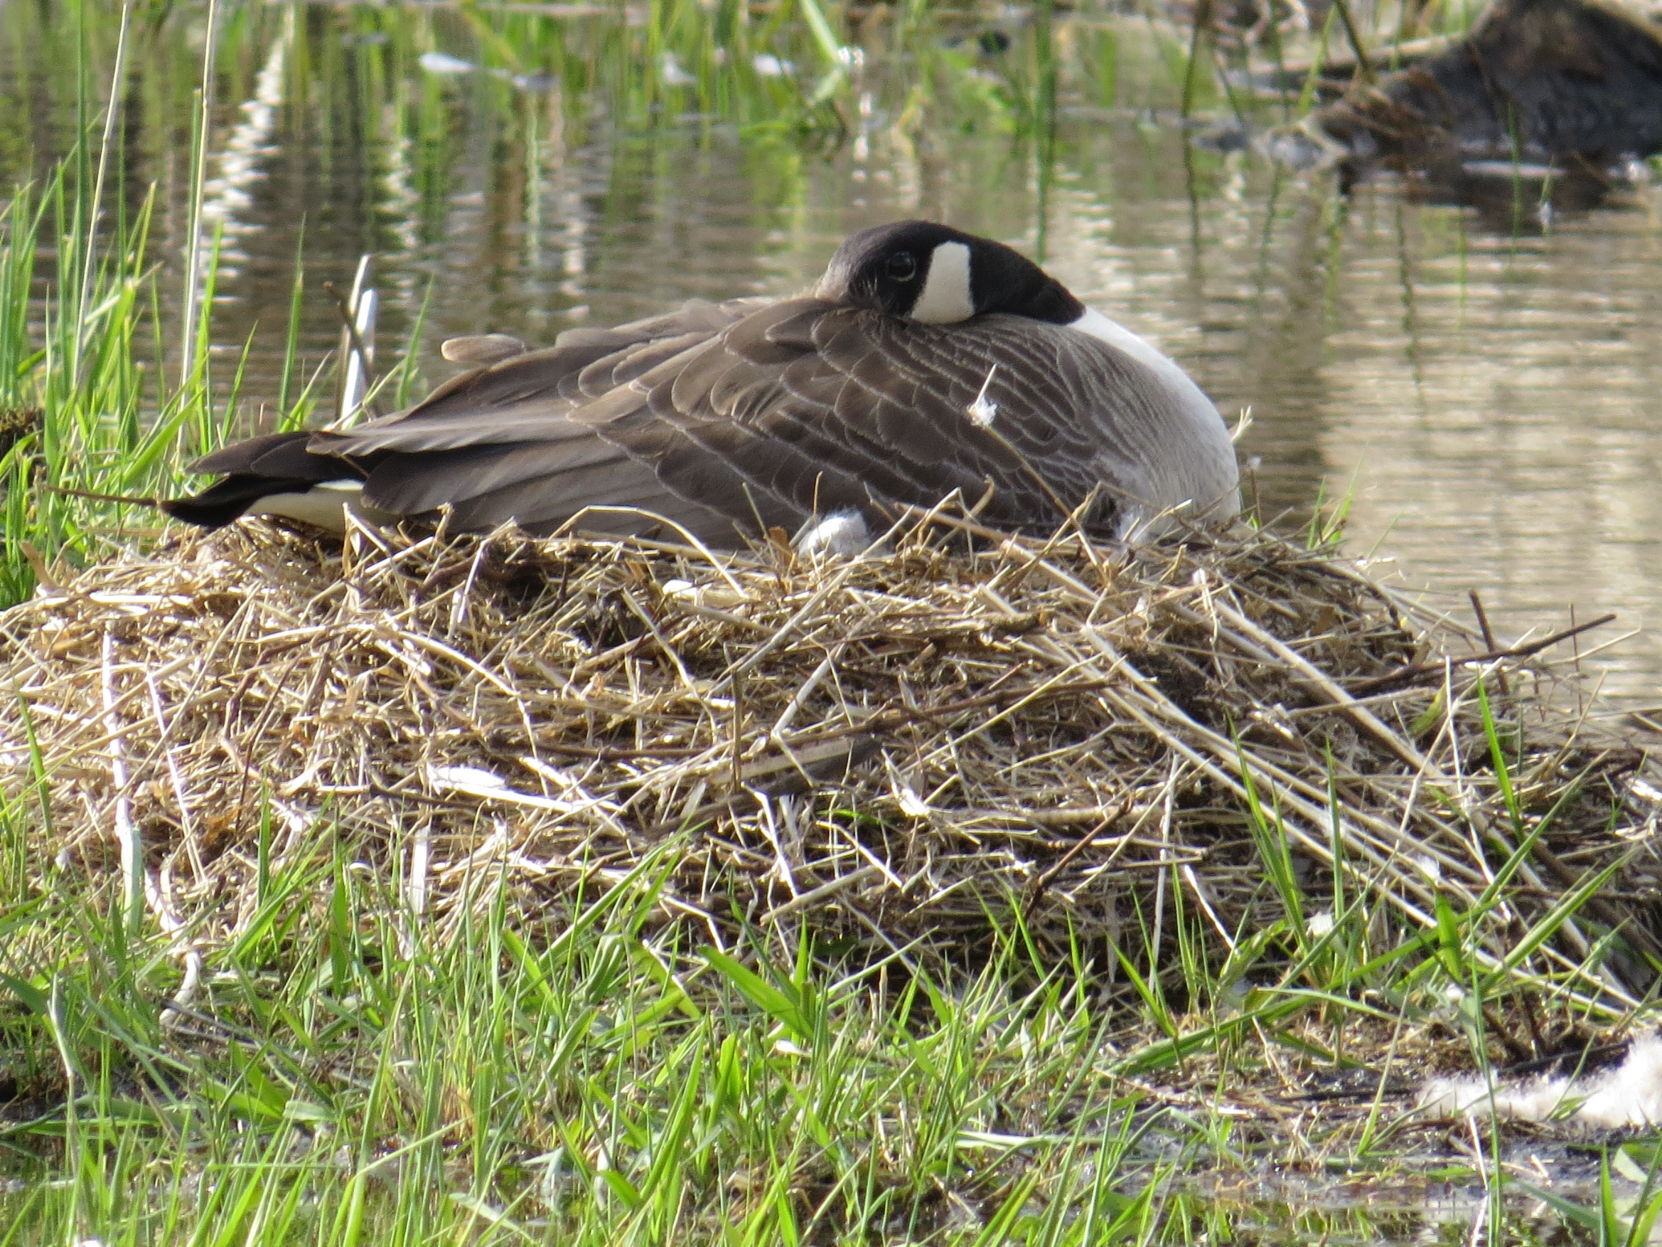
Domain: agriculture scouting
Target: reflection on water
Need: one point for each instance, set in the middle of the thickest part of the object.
(1485, 399)
(1491, 398)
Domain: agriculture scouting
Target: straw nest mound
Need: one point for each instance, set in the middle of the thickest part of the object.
(911, 746)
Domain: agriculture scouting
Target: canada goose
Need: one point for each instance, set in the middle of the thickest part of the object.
(925, 361)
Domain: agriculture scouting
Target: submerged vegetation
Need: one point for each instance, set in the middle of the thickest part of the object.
(470, 890)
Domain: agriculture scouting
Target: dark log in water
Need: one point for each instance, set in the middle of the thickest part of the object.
(1542, 80)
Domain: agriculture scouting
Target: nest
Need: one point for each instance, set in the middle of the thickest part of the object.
(916, 746)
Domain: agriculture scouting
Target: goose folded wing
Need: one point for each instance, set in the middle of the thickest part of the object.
(839, 407)
(497, 443)
(818, 406)
(772, 415)
(524, 396)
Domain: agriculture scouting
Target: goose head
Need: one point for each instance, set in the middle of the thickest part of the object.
(936, 275)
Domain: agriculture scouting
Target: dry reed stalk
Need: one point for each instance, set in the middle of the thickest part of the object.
(908, 746)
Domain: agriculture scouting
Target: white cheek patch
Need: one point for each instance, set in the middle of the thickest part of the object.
(945, 299)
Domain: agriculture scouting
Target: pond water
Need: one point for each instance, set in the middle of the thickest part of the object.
(1483, 397)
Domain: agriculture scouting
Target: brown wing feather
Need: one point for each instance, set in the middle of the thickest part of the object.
(774, 400)
(526, 396)
(769, 415)
(1074, 418)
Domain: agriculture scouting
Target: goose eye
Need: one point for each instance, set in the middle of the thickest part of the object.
(902, 266)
